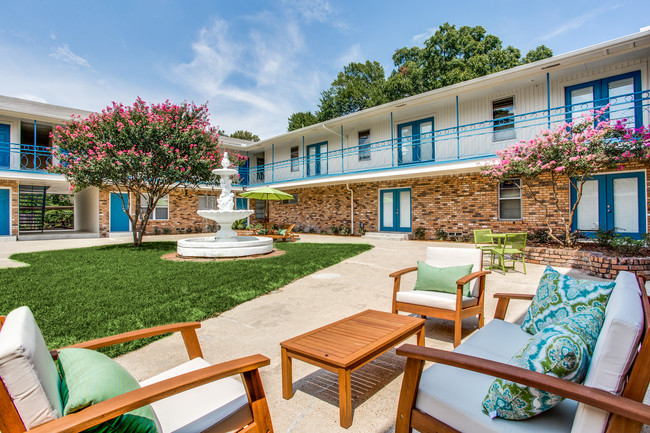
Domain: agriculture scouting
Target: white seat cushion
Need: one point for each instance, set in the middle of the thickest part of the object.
(454, 396)
(442, 300)
(497, 341)
(28, 371)
(615, 350)
(216, 407)
(445, 257)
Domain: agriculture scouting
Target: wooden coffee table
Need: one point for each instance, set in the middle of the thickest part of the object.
(344, 346)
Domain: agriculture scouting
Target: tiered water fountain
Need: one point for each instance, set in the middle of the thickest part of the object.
(225, 242)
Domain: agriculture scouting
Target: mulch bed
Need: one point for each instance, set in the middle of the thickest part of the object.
(174, 257)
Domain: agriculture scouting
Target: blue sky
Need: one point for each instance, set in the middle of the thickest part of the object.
(256, 62)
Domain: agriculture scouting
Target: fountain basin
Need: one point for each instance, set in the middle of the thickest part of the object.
(234, 247)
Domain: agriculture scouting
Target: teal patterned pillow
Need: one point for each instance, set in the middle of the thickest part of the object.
(563, 350)
(559, 296)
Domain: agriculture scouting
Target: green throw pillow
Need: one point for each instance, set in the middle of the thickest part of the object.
(559, 296)
(262, 231)
(282, 232)
(436, 279)
(563, 350)
(90, 377)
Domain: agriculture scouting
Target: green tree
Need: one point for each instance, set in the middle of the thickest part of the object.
(358, 86)
(143, 150)
(451, 56)
(539, 53)
(245, 135)
(300, 120)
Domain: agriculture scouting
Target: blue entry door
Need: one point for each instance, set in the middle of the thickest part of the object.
(5, 217)
(415, 142)
(395, 210)
(317, 159)
(119, 219)
(612, 202)
(5, 146)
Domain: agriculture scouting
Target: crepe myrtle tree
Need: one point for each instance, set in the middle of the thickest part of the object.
(145, 150)
(573, 152)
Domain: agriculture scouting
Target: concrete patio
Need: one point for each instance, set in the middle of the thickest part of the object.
(258, 326)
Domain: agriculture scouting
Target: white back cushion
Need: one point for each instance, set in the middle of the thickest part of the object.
(27, 369)
(446, 257)
(615, 350)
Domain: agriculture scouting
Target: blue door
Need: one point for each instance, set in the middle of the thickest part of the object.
(612, 202)
(395, 210)
(415, 142)
(5, 220)
(5, 146)
(119, 219)
(317, 159)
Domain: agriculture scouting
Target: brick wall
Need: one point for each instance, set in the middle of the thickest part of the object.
(183, 218)
(13, 184)
(454, 203)
(593, 263)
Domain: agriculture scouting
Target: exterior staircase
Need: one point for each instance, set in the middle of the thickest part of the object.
(389, 236)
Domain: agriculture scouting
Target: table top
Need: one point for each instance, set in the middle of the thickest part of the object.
(347, 342)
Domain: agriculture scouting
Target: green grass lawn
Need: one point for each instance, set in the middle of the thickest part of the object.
(87, 293)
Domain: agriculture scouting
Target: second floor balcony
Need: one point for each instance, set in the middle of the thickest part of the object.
(466, 142)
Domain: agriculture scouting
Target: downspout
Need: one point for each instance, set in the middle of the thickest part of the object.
(351, 207)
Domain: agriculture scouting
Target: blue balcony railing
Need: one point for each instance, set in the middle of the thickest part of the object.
(463, 143)
(24, 157)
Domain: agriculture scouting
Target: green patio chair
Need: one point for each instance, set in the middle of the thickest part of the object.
(514, 244)
(483, 242)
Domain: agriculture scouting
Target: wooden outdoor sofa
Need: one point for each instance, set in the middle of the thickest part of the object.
(447, 397)
(194, 396)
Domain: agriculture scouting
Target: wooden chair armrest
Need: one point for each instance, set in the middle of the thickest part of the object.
(522, 296)
(109, 409)
(504, 301)
(467, 278)
(403, 271)
(188, 331)
(622, 406)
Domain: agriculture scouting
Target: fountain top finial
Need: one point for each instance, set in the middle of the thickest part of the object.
(225, 162)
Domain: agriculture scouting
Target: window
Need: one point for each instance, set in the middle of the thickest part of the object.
(364, 145)
(294, 159)
(260, 212)
(241, 203)
(160, 212)
(503, 112)
(207, 202)
(618, 91)
(510, 200)
(294, 200)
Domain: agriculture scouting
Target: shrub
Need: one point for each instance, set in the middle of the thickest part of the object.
(441, 234)
(156, 231)
(345, 231)
(539, 236)
(625, 245)
(419, 233)
(166, 230)
(604, 237)
(334, 230)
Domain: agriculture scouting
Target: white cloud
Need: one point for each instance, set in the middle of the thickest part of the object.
(353, 54)
(578, 22)
(253, 78)
(421, 37)
(65, 54)
(312, 10)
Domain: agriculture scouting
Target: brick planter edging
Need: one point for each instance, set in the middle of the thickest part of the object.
(593, 263)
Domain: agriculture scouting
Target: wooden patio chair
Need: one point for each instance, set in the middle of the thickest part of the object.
(447, 306)
(194, 396)
(284, 234)
(447, 396)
